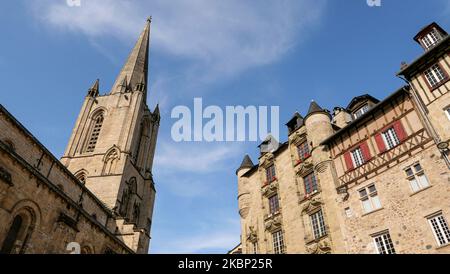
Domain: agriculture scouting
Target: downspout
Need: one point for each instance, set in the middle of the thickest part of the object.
(427, 123)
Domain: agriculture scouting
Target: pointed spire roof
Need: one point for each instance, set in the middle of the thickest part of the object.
(156, 110)
(314, 107)
(135, 69)
(94, 90)
(246, 163)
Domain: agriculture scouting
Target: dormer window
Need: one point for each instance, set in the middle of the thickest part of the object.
(430, 39)
(361, 111)
(360, 105)
(430, 36)
(295, 123)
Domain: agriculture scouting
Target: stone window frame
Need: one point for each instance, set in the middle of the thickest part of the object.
(414, 175)
(322, 228)
(442, 224)
(275, 203)
(278, 245)
(94, 122)
(271, 173)
(303, 150)
(296, 140)
(267, 161)
(383, 240)
(369, 196)
(317, 188)
(30, 214)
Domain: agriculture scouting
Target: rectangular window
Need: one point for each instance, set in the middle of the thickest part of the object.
(318, 225)
(274, 204)
(430, 39)
(357, 157)
(303, 151)
(278, 242)
(369, 198)
(447, 111)
(384, 243)
(360, 112)
(390, 138)
(416, 177)
(310, 182)
(435, 75)
(440, 229)
(270, 174)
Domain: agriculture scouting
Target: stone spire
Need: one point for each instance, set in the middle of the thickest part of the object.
(94, 90)
(134, 73)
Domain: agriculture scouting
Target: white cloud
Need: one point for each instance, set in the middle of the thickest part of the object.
(224, 38)
(190, 169)
(201, 243)
(195, 157)
(213, 240)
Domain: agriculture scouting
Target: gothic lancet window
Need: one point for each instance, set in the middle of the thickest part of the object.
(142, 145)
(96, 127)
(110, 162)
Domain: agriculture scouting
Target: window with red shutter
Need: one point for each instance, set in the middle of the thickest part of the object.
(270, 174)
(366, 152)
(400, 131)
(380, 143)
(348, 161)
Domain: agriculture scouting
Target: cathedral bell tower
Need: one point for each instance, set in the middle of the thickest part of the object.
(112, 146)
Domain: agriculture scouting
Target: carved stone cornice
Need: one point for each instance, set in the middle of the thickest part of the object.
(312, 204)
(270, 189)
(323, 246)
(343, 193)
(273, 223)
(266, 160)
(252, 236)
(298, 137)
(305, 167)
(322, 166)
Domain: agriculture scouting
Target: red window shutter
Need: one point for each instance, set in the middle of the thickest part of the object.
(348, 161)
(400, 130)
(365, 152)
(380, 143)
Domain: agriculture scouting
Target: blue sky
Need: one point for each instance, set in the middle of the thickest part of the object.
(283, 53)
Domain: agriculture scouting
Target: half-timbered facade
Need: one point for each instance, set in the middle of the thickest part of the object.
(372, 177)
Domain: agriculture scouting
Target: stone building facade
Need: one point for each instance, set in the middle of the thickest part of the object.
(372, 177)
(100, 195)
